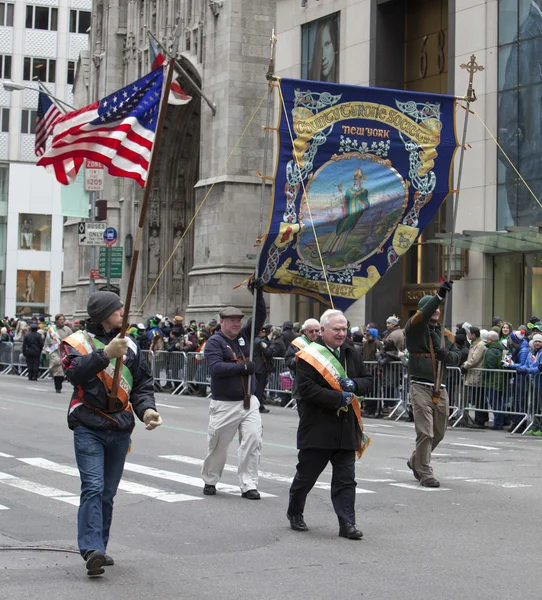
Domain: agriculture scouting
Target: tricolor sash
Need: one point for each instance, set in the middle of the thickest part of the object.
(329, 367)
(300, 342)
(84, 344)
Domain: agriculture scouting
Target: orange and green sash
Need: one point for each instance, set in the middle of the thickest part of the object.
(326, 363)
(300, 342)
(84, 344)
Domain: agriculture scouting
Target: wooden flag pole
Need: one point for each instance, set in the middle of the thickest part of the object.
(112, 401)
(471, 67)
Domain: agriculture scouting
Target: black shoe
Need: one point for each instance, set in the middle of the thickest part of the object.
(350, 531)
(415, 473)
(251, 495)
(209, 490)
(430, 482)
(58, 391)
(297, 523)
(263, 409)
(95, 563)
(109, 562)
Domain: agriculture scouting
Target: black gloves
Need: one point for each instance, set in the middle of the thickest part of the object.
(255, 283)
(248, 368)
(442, 354)
(445, 287)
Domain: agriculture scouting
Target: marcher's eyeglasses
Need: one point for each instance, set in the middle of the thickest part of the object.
(313, 330)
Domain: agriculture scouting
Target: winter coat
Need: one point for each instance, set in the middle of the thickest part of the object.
(521, 358)
(370, 350)
(32, 344)
(418, 333)
(474, 362)
(278, 347)
(263, 356)
(397, 336)
(288, 334)
(319, 424)
(493, 360)
(82, 372)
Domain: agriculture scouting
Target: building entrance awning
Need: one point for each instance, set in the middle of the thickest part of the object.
(511, 240)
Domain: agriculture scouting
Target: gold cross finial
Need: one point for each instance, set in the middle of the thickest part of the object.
(471, 67)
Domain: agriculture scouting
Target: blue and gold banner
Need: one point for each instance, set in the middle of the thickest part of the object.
(360, 173)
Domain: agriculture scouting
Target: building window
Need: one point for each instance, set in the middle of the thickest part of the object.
(32, 292)
(34, 232)
(28, 121)
(5, 66)
(71, 72)
(41, 17)
(79, 21)
(519, 116)
(6, 14)
(39, 68)
(320, 49)
(4, 120)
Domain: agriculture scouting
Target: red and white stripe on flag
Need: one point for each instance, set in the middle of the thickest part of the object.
(46, 118)
(177, 95)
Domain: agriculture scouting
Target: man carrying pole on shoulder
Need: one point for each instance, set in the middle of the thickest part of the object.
(427, 359)
(101, 435)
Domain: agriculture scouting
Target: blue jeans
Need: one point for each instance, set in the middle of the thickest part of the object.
(100, 457)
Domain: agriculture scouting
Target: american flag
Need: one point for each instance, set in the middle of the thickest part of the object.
(117, 132)
(176, 94)
(46, 117)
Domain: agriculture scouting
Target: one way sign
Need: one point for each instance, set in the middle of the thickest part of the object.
(91, 234)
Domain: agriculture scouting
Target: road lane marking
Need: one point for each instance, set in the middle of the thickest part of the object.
(126, 486)
(412, 486)
(171, 406)
(186, 479)
(374, 480)
(2, 455)
(264, 474)
(38, 488)
(498, 483)
(472, 446)
(2, 507)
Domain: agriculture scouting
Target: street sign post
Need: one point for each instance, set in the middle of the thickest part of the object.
(110, 264)
(110, 236)
(94, 176)
(91, 234)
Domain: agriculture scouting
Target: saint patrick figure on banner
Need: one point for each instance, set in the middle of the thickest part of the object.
(355, 202)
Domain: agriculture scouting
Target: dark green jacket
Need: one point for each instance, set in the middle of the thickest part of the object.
(493, 360)
(417, 332)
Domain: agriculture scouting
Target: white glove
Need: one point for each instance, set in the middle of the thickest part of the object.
(152, 419)
(116, 348)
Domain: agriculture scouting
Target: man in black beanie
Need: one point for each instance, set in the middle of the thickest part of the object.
(89, 358)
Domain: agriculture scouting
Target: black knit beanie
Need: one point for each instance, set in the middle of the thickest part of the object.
(102, 304)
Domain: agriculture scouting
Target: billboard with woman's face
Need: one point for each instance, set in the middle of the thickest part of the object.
(320, 49)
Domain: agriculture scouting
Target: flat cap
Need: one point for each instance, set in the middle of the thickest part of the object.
(231, 311)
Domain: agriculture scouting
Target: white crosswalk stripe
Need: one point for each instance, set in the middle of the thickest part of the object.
(126, 486)
(263, 474)
(38, 488)
(186, 479)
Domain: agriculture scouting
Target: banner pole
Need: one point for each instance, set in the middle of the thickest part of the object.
(471, 67)
(112, 400)
(269, 76)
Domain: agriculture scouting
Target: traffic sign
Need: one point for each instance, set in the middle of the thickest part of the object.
(91, 234)
(94, 273)
(110, 236)
(94, 176)
(115, 263)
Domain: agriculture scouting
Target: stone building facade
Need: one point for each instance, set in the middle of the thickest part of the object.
(223, 46)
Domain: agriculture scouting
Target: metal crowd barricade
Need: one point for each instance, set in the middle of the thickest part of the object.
(196, 374)
(280, 381)
(388, 389)
(6, 357)
(18, 360)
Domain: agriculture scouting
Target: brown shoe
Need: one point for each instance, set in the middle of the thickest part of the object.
(430, 482)
(414, 472)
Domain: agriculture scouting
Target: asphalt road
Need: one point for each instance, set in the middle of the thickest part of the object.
(477, 537)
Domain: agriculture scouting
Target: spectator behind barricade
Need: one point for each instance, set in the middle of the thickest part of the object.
(288, 334)
(20, 331)
(391, 375)
(140, 335)
(296, 327)
(460, 341)
(4, 336)
(474, 389)
(357, 339)
(153, 327)
(178, 324)
(372, 345)
(535, 369)
(212, 325)
(534, 328)
(201, 366)
(263, 364)
(496, 324)
(278, 345)
(395, 333)
(519, 361)
(504, 333)
(495, 383)
(309, 332)
(191, 339)
(483, 335)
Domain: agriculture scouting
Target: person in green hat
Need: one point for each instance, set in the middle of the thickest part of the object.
(424, 344)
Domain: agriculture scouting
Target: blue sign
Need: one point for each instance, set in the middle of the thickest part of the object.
(110, 236)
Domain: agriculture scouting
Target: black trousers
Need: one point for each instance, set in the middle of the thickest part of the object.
(312, 461)
(58, 382)
(33, 364)
(261, 382)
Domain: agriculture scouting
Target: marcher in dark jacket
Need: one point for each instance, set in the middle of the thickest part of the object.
(32, 346)
(329, 430)
(288, 334)
(102, 435)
